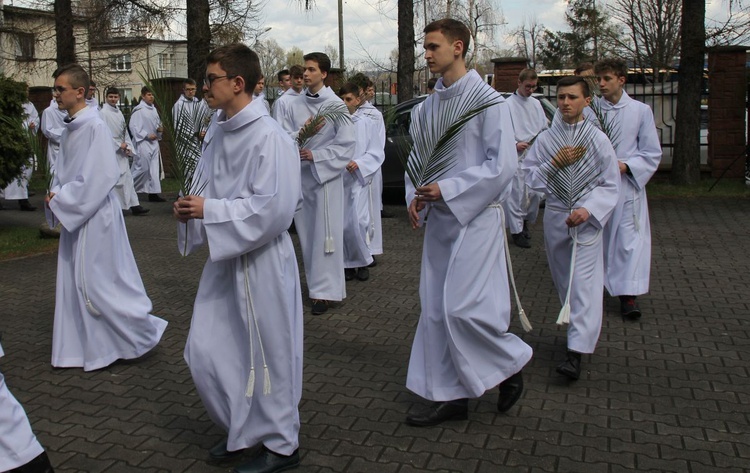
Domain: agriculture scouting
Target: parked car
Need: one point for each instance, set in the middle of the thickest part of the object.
(397, 138)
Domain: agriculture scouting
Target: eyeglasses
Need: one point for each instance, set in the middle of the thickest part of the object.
(209, 80)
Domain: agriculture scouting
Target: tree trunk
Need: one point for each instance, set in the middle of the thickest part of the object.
(687, 153)
(405, 74)
(198, 38)
(66, 44)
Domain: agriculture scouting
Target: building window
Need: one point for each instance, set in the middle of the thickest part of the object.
(120, 63)
(166, 62)
(25, 46)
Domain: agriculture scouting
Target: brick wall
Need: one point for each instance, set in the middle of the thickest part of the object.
(727, 85)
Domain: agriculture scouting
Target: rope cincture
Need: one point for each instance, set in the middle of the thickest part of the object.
(89, 305)
(525, 323)
(328, 246)
(564, 317)
(252, 321)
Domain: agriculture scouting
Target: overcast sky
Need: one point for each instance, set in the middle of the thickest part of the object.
(370, 27)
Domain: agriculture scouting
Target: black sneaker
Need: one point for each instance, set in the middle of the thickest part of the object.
(319, 306)
(521, 241)
(363, 274)
(629, 308)
(571, 367)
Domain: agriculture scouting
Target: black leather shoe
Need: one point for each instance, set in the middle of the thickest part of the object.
(510, 392)
(571, 367)
(363, 274)
(40, 464)
(440, 412)
(219, 452)
(520, 240)
(319, 306)
(629, 308)
(269, 462)
(156, 198)
(138, 210)
(373, 264)
(349, 273)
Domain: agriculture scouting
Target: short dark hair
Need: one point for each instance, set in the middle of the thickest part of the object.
(77, 75)
(431, 83)
(92, 83)
(527, 74)
(568, 81)
(282, 73)
(112, 91)
(452, 29)
(584, 66)
(616, 66)
(296, 71)
(350, 88)
(146, 90)
(324, 62)
(189, 81)
(361, 80)
(238, 61)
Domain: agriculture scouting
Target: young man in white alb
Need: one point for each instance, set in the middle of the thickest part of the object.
(244, 348)
(527, 114)
(102, 312)
(579, 228)
(462, 346)
(627, 235)
(320, 221)
(114, 119)
(146, 128)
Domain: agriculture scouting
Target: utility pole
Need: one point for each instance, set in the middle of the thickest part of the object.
(341, 34)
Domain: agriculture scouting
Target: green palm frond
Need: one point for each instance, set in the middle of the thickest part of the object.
(333, 112)
(437, 131)
(184, 147)
(605, 123)
(571, 171)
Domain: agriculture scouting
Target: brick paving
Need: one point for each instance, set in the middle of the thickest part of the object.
(669, 393)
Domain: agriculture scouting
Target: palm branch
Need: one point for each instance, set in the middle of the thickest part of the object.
(605, 123)
(181, 142)
(435, 133)
(571, 172)
(333, 112)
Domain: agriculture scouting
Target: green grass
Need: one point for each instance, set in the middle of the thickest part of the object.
(725, 188)
(16, 242)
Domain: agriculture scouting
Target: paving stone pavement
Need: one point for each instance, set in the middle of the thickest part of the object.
(669, 393)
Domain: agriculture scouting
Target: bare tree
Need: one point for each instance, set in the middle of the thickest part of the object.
(272, 58)
(528, 38)
(405, 74)
(734, 29)
(332, 52)
(483, 18)
(653, 28)
(686, 158)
